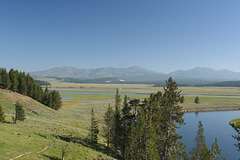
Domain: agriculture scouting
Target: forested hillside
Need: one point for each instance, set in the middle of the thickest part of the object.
(24, 84)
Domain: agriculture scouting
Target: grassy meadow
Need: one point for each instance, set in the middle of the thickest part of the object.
(46, 132)
(92, 97)
(46, 128)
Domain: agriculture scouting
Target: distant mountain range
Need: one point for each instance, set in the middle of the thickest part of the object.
(206, 74)
(131, 73)
(138, 74)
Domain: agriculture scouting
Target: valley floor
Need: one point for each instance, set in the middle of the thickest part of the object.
(45, 132)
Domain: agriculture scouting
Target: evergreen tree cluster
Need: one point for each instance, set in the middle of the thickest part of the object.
(24, 84)
(51, 99)
(201, 151)
(147, 129)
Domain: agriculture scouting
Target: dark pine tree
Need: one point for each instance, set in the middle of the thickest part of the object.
(22, 86)
(216, 151)
(182, 99)
(50, 100)
(108, 128)
(117, 123)
(182, 154)
(126, 123)
(19, 112)
(94, 129)
(5, 81)
(134, 104)
(2, 116)
(171, 115)
(30, 82)
(196, 100)
(56, 100)
(200, 151)
(35, 92)
(146, 147)
(39, 93)
(13, 76)
(131, 150)
(45, 96)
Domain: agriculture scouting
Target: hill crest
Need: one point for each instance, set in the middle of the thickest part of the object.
(8, 99)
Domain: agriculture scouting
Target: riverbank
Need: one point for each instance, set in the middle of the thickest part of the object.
(211, 98)
(211, 109)
(235, 122)
(208, 107)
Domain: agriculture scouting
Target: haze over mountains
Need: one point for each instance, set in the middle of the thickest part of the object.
(138, 74)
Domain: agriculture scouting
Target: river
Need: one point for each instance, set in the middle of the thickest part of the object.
(140, 94)
(216, 125)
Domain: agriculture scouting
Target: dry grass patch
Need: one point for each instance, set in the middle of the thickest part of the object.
(71, 104)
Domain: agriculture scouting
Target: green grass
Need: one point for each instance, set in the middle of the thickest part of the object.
(211, 103)
(97, 97)
(217, 91)
(235, 122)
(23, 138)
(43, 127)
(206, 103)
(142, 88)
(222, 100)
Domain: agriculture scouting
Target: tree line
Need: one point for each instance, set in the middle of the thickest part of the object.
(147, 129)
(24, 84)
(42, 83)
(196, 100)
(19, 113)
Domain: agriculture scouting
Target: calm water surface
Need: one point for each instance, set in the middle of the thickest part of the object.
(216, 125)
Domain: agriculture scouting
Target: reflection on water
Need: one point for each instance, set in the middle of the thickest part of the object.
(216, 125)
(196, 113)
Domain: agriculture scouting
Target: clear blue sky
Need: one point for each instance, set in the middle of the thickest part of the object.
(160, 35)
